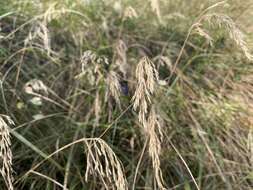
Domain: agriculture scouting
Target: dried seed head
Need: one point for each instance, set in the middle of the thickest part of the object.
(147, 76)
(39, 32)
(114, 86)
(200, 31)
(87, 57)
(5, 153)
(121, 60)
(153, 130)
(235, 33)
(90, 58)
(53, 12)
(102, 162)
(92, 66)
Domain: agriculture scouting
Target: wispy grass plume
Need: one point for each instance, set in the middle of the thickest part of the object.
(6, 153)
(146, 76)
(102, 162)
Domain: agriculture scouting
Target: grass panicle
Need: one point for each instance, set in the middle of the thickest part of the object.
(6, 153)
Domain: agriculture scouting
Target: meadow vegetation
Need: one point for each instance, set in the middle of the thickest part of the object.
(126, 94)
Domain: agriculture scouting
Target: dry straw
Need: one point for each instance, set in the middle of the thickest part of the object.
(6, 154)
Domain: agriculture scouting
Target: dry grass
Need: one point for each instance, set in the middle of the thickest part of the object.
(83, 74)
(102, 161)
(233, 31)
(113, 86)
(6, 153)
(147, 77)
(154, 132)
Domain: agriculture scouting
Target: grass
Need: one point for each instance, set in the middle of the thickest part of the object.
(126, 94)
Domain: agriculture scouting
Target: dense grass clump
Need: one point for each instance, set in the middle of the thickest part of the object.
(134, 94)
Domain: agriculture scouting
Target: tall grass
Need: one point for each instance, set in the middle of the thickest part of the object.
(131, 94)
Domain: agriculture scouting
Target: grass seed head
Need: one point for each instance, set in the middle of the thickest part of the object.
(147, 76)
(234, 32)
(5, 152)
(102, 162)
(154, 132)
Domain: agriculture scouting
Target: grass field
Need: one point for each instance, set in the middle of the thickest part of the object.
(126, 94)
